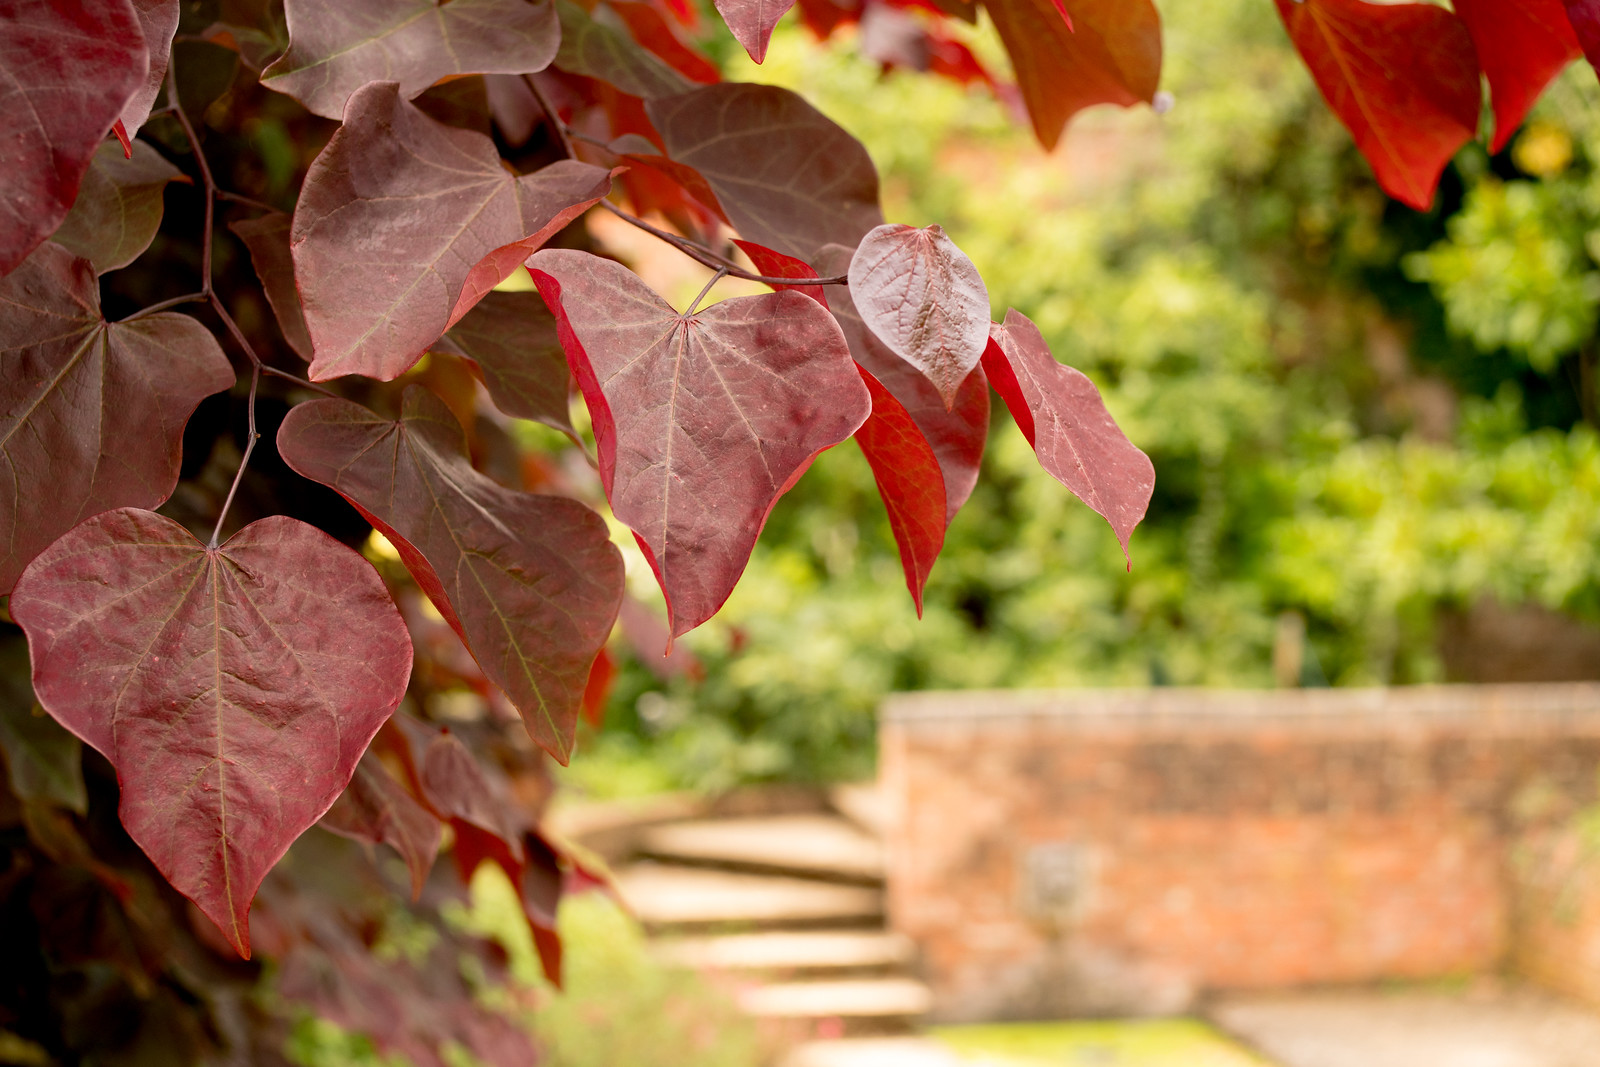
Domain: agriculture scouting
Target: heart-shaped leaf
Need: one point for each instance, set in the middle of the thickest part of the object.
(594, 49)
(1061, 414)
(1110, 53)
(1403, 78)
(233, 688)
(923, 298)
(788, 177)
(119, 206)
(335, 49)
(1521, 46)
(67, 69)
(511, 338)
(91, 412)
(751, 22)
(401, 225)
(267, 238)
(701, 421)
(158, 21)
(531, 583)
(377, 809)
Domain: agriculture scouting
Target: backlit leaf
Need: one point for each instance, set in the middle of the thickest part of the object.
(336, 48)
(233, 688)
(119, 206)
(1061, 414)
(649, 27)
(1521, 45)
(511, 338)
(91, 412)
(637, 149)
(777, 265)
(752, 21)
(787, 176)
(67, 69)
(1110, 54)
(531, 583)
(158, 21)
(267, 238)
(591, 47)
(923, 298)
(1403, 78)
(909, 481)
(402, 222)
(1584, 16)
(377, 809)
(701, 421)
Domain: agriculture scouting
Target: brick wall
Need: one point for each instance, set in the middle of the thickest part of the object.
(1115, 852)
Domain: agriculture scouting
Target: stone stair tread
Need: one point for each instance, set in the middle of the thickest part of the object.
(812, 844)
(663, 895)
(854, 997)
(790, 951)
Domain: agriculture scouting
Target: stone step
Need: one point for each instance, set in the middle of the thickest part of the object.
(874, 1052)
(782, 952)
(663, 896)
(818, 846)
(885, 999)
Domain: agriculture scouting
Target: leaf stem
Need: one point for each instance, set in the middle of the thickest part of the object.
(187, 298)
(715, 278)
(244, 461)
(259, 205)
(550, 115)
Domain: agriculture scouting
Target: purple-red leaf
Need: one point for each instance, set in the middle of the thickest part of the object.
(788, 177)
(923, 298)
(1584, 15)
(531, 583)
(158, 21)
(511, 339)
(267, 238)
(91, 412)
(752, 21)
(777, 265)
(67, 69)
(1403, 78)
(594, 49)
(336, 48)
(377, 809)
(956, 435)
(404, 223)
(119, 206)
(233, 688)
(701, 421)
(910, 482)
(1061, 414)
(1521, 44)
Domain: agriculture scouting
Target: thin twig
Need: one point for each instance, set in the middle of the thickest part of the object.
(187, 298)
(715, 278)
(244, 461)
(550, 115)
(695, 250)
(208, 183)
(302, 382)
(259, 205)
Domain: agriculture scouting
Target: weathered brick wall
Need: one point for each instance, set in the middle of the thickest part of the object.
(1093, 852)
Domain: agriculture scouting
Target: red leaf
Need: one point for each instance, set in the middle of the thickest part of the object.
(922, 297)
(91, 412)
(120, 132)
(910, 482)
(1403, 78)
(1522, 45)
(777, 265)
(531, 583)
(651, 29)
(1061, 414)
(636, 148)
(787, 176)
(541, 886)
(267, 238)
(158, 21)
(67, 69)
(1105, 52)
(752, 21)
(1584, 16)
(701, 421)
(119, 206)
(511, 339)
(402, 223)
(233, 688)
(956, 435)
(601, 675)
(377, 809)
(335, 49)
(607, 52)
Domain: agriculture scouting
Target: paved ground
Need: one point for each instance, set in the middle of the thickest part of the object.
(1480, 1027)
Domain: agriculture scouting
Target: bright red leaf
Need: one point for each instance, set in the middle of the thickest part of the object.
(377, 809)
(1403, 78)
(267, 238)
(923, 298)
(595, 49)
(397, 215)
(119, 206)
(752, 22)
(531, 583)
(650, 28)
(598, 688)
(91, 412)
(1109, 54)
(909, 480)
(158, 21)
(511, 339)
(1521, 45)
(777, 265)
(336, 48)
(233, 688)
(1061, 414)
(67, 69)
(788, 177)
(701, 421)
(636, 148)
(1584, 17)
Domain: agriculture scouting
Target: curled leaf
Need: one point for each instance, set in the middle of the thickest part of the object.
(267, 238)
(377, 809)
(511, 339)
(158, 21)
